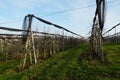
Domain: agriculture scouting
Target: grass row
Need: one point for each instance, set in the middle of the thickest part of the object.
(67, 66)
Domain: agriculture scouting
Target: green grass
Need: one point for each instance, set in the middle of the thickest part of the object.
(67, 66)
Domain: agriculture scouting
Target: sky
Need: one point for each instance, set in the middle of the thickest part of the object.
(12, 13)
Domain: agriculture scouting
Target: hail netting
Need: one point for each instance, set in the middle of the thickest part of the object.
(26, 27)
(101, 12)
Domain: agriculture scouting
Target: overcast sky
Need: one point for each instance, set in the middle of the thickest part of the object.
(12, 13)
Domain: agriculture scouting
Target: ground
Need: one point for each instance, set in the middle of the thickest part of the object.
(67, 65)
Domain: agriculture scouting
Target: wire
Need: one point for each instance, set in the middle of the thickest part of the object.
(68, 10)
(113, 34)
(112, 28)
(14, 21)
(113, 1)
(11, 29)
(14, 29)
(74, 9)
(62, 11)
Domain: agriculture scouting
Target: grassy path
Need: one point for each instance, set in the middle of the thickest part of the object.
(54, 68)
(60, 66)
(66, 66)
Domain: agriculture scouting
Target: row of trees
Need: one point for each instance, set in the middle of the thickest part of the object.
(112, 39)
(41, 47)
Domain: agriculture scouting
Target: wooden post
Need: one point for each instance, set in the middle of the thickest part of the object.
(29, 46)
(44, 47)
(96, 39)
(63, 41)
(33, 47)
(1, 45)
